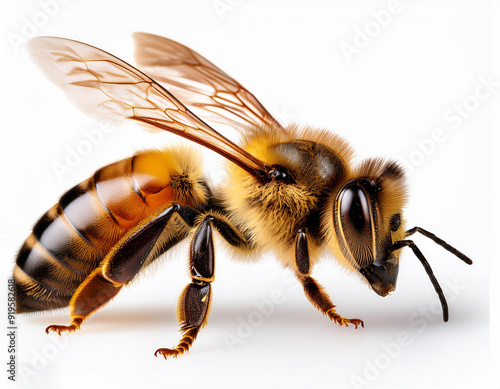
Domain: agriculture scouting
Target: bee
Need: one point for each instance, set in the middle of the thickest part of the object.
(294, 191)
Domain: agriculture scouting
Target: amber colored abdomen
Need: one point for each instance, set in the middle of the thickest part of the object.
(72, 238)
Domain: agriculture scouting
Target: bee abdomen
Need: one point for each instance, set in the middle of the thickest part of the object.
(53, 261)
(73, 237)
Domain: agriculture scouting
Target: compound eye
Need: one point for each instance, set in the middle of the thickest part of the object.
(356, 224)
(354, 209)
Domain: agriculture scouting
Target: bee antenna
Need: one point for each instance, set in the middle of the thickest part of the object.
(402, 243)
(440, 242)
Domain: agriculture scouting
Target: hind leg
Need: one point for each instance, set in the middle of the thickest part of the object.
(92, 294)
(123, 262)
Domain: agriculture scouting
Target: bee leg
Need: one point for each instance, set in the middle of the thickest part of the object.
(93, 293)
(121, 265)
(194, 304)
(314, 291)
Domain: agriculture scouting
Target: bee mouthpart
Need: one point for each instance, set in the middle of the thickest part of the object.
(382, 290)
(382, 278)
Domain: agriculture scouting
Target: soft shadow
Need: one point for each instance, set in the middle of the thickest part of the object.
(226, 316)
(311, 319)
(132, 319)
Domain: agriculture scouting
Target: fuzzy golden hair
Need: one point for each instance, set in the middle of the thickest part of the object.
(266, 211)
(182, 166)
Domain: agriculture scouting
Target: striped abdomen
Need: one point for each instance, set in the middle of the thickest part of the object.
(72, 238)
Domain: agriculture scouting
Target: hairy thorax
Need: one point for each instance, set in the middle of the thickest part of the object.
(272, 212)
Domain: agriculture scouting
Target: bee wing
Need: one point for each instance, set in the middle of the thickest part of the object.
(105, 87)
(199, 83)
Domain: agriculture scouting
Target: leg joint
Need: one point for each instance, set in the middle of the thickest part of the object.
(200, 281)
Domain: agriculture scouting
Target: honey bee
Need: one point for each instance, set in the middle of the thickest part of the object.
(293, 191)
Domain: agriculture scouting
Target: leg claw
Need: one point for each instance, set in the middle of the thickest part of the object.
(167, 352)
(59, 329)
(334, 316)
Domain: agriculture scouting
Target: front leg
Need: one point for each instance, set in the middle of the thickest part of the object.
(314, 291)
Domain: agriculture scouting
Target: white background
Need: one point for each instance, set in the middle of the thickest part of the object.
(386, 99)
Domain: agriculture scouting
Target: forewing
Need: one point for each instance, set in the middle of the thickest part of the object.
(107, 88)
(199, 84)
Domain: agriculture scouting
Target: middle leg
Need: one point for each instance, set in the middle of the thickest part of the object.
(194, 304)
(193, 308)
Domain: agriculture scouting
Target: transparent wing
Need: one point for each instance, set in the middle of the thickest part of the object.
(199, 84)
(109, 89)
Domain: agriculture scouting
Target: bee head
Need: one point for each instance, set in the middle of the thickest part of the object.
(368, 219)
